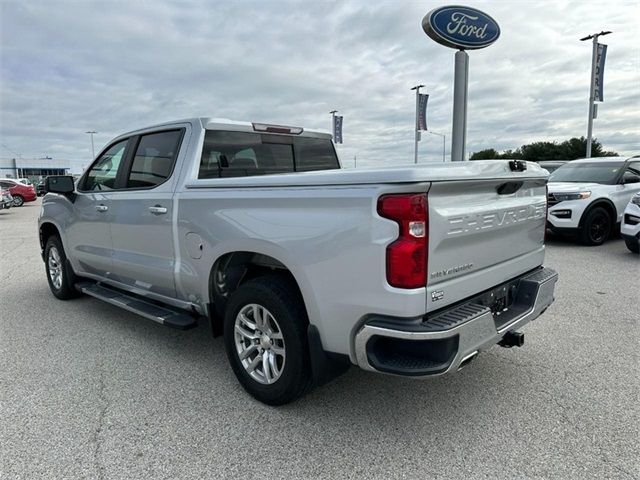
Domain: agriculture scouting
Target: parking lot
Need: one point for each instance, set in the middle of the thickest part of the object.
(91, 391)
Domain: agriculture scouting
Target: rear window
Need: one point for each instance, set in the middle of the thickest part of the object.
(240, 154)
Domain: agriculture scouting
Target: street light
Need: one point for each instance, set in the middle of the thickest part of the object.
(93, 151)
(444, 139)
(594, 58)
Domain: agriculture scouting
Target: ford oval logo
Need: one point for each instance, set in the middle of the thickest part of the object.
(460, 27)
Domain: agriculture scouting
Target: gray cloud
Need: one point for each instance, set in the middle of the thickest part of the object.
(70, 66)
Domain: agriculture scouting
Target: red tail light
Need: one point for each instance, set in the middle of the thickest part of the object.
(407, 256)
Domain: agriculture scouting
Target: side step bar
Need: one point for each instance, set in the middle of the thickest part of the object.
(163, 315)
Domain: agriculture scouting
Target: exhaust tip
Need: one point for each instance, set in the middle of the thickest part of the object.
(467, 360)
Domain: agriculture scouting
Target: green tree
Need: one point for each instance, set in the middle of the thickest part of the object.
(567, 150)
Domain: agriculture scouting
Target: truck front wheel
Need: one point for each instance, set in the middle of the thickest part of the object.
(58, 276)
(265, 338)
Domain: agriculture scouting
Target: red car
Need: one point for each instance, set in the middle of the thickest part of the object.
(19, 191)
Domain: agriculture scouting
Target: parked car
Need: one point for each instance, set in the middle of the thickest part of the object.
(304, 268)
(40, 188)
(552, 165)
(6, 200)
(630, 228)
(20, 192)
(587, 196)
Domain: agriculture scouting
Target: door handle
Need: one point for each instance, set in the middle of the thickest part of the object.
(102, 208)
(158, 210)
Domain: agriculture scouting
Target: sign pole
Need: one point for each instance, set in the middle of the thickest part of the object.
(417, 130)
(460, 89)
(333, 124)
(592, 93)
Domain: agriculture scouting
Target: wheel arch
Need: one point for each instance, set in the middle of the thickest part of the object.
(46, 230)
(231, 269)
(602, 203)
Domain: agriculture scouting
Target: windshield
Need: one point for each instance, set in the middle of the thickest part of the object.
(587, 172)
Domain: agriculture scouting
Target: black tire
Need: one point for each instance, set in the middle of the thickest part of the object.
(633, 244)
(280, 297)
(596, 227)
(66, 290)
(18, 201)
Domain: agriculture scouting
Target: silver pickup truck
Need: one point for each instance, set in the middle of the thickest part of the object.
(304, 268)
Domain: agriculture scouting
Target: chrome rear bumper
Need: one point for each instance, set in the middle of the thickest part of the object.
(446, 341)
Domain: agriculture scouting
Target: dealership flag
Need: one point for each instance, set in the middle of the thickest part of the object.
(599, 85)
(422, 111)
(337, 129)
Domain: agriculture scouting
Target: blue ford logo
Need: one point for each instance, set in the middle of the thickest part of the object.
(459, 27)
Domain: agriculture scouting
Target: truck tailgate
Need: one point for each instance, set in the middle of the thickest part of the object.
(481, 233)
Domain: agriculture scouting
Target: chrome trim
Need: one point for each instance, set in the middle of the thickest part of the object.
(474, 336)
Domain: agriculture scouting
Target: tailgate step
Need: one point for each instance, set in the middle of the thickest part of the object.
(161, 314)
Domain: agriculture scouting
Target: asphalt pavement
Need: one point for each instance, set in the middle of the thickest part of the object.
(91, 391)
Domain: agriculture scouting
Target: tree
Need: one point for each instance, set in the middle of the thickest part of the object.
(536, 151)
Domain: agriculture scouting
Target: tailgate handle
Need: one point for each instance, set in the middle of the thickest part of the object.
(517, 165)
(509, 188)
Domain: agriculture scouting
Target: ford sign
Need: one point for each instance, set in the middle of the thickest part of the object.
(459, 27)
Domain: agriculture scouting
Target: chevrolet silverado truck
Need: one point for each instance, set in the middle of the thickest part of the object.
(304, 268)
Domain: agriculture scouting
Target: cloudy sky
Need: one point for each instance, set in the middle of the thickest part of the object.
(71, 66)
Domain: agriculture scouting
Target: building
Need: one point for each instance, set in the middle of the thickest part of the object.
(33, 168)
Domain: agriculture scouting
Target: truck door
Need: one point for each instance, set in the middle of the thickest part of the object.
(88, 234)
(141, 228)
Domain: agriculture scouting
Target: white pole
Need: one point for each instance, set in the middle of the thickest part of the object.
(417, 131)
(594, 56)
(93, 150)
(460, 88)
(333, 124)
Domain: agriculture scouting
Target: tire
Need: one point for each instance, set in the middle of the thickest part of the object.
(596, 227)
(60, 279)
(633, 244)
(18, 201)
(277, 342)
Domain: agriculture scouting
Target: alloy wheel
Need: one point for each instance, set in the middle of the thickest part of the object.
(55, 268)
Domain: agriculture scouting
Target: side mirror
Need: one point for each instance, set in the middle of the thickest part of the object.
(59, 184)
(630, 178)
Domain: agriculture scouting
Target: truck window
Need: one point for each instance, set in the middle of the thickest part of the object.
(154, 159)
(240, 154)
(102, 174)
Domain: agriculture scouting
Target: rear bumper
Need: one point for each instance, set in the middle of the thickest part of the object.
(444, 342)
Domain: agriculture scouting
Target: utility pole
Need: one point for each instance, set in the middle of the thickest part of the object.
(444, 139)
(93, 151)
(417, 137)
(594, 59)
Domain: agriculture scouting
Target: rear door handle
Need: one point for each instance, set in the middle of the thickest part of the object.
(158, 210)
(102, 208)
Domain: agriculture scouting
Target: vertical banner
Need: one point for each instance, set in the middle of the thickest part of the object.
(422, 111)
(598, 93)
(337, 129)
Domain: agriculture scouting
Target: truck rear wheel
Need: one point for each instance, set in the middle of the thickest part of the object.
(58, 275)
(596, 227)
(265, 338)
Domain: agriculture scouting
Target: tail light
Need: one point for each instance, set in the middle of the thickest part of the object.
(407, 256)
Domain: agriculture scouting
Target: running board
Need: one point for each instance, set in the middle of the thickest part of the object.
(163, 315)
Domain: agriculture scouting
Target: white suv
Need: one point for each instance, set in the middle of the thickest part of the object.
(630, 228)
(587, 196)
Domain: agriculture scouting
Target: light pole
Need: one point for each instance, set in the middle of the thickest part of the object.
(444, 139)
(93, 151)
(417, 137)
(333, 123)
(594, 58)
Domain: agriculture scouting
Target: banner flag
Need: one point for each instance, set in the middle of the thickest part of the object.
(422, 111)
(598, 93)
(337, 129)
